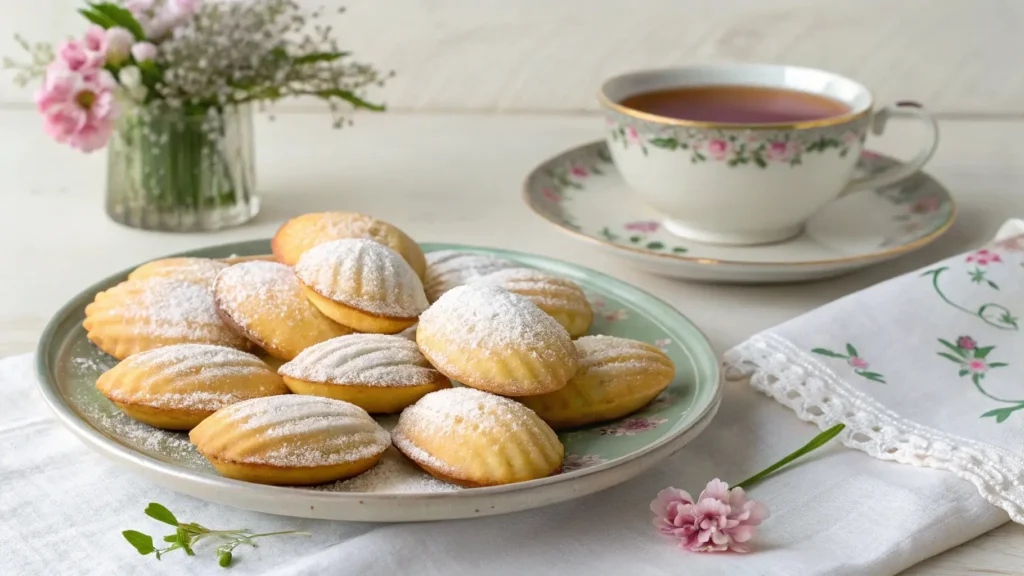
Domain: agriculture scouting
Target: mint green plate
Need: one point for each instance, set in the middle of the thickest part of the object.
(597, 457)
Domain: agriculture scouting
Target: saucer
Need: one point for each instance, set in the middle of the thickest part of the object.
(581, 192)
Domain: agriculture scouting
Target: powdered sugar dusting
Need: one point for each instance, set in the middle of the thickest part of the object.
(315, 431)
(189, 377)
(199, 270)
(365, 275)
(612, 355)
(453, 413)
(543, 289)
(163, 307)
(494, 323)
(393, 474)
(268, 291)
(447, 269)
(363, 359)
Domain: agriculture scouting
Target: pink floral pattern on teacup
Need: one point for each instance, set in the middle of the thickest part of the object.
(580, 172)
(550, 195)
(782, 151)
(718, 149)
(642, 226)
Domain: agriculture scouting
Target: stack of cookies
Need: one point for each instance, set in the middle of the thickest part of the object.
(276, 366)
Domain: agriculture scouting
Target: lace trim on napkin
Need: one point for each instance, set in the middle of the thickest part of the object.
(794, 379)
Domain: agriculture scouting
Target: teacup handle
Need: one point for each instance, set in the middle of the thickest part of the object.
(903, 170)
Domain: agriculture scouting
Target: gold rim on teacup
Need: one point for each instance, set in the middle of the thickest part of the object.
(611, 104)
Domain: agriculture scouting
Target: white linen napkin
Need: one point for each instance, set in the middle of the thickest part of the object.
(925, 369)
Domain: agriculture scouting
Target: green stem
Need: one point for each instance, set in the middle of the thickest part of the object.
(977, 384)
(818, 441)
(935, 284)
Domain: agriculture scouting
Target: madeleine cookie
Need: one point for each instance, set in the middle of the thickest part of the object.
(447, 269)
(264, 302)
(473, 438)
(300, 234)
(290, 440)
(147, 313)
(616, 377)
(489, 338)
(176, 387)
(363, 285)
(562, 299)
(199, 270)
(380, 373)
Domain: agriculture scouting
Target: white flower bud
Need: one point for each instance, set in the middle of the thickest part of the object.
(119, 42)
(131, 80)
(143, 52)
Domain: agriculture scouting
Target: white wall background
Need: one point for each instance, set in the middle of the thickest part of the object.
(956, 56)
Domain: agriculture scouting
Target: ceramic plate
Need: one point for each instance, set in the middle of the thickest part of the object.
(597, 457)
(582, 193)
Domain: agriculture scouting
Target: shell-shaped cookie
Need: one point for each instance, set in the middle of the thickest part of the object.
(380, 373)
(265, 302)
(474, 438)
(363, 285)
(143, 314)
(616, 376)
(561, 298)
(176, 387)
(290, 439)
(491, 339)
(300, 234)
(200, 270)
(447, 269)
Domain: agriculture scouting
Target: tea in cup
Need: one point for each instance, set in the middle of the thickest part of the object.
(746, 154)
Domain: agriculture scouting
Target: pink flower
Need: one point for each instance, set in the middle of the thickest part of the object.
(73, 55)
(632, 134)
(96, 40)
(78, 109)
(782, 151)
(926, 205)
(579, 172)
(984, 257)
(143, 51)
(643, 226)
(977, 366)
(720, 520)
(631, 426)
(718, 149)
(966, 342)
(139, 8)
(550, 195)
(858, 363)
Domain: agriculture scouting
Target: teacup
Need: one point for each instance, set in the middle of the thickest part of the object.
(748, 183)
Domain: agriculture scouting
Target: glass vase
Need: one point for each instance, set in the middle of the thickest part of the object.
(182, 170)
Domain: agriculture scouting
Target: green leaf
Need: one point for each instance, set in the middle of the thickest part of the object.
(349, 97)
(171, 538)
(184, 539)
(319, 57)
(142, 542)
(635, 239)
(655, 245)
(828, 353)
(851, 350)
(96, 18)
(1001, 414)
(963, 372)
(760, 162)
(818, 441)
(158, 512)
(976, 378)
(949, 356)
(666, 143)
(997, 364)
(679, 250)
(120, 17)
(956, 349)
(983, 352)
(993, 284)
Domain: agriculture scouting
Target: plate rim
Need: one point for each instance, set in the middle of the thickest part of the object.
(597, 477)
(696, 260)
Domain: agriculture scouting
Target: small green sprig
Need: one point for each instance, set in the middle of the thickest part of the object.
(186, 535)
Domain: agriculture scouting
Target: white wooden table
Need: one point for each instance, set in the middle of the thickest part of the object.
(453, 178)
